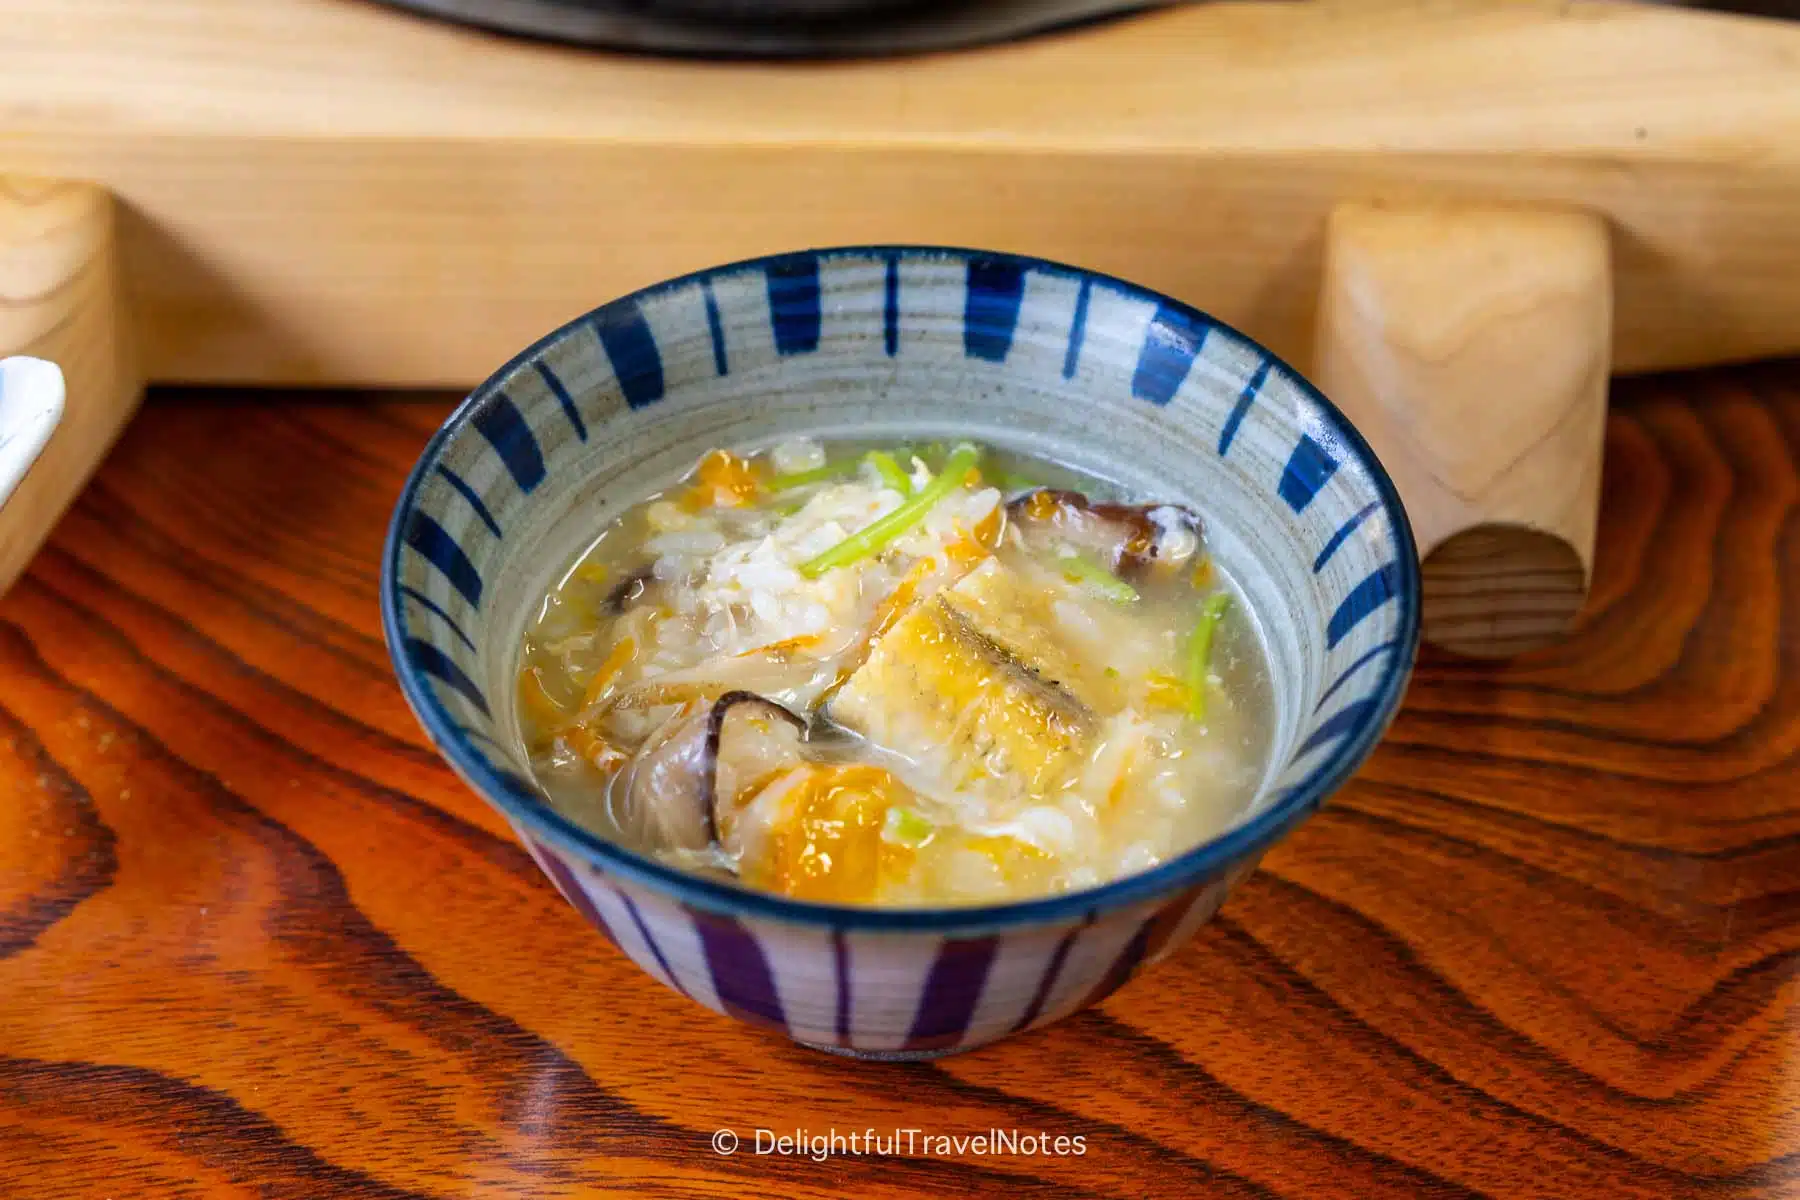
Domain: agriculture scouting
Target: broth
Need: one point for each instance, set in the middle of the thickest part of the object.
(897, 675)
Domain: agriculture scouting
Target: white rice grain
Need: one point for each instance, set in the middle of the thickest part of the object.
(691, 542)
(800, 454)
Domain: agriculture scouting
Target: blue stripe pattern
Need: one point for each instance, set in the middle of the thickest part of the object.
(716, 328)
(1369, 655)
(501, 423)
(1241, 409)
(441, 551)
(637, 918)
(625, 336)
(1048, 980)
(429, 605)
(1382, 585)
(951, 991)
(1308, 467)
(1171, 345)
(1077, 329)
(571, 890)
(739, 969)
(1123, 967)
(554, 382)
(1343, 533)
(794, 303)
(840, 953)
(520, 784)
(890, 307)
(479, 736)
(429, 659)
(995, 289)
(1336, 726)
(468, 493)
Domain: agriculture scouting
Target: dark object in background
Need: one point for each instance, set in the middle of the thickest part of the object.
(754, 10)
(778, 28)
(1790, 9)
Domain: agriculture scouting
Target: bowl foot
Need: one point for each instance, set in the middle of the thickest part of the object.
(885, 1055)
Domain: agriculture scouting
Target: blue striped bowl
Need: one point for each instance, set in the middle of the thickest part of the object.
(901, 341)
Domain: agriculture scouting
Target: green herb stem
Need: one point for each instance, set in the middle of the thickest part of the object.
(1083, 570)
(800, 479)
(889, 470)
(1200, 652)
(878, 533)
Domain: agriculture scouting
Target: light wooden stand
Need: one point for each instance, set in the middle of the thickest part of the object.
(329, 192)
(1470, 346)
(60, 299)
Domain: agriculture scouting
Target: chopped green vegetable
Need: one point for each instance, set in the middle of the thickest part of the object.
(1199, 664)
(889, 470)
(1014, 484)
(878, 533)
(800, 479)
(1079, 568)
(907, 828)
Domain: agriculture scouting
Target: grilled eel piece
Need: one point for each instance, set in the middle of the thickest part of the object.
(973, 686)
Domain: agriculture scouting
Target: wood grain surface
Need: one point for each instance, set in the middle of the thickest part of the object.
(332, 191)
(61, 299)
(255, 940)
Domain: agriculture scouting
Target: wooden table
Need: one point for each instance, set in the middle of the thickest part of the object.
(255, 940)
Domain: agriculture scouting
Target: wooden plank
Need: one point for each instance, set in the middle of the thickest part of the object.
(1469, 346)
(329, 191)
(60, 300)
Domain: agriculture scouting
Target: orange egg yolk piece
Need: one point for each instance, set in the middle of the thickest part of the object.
(724, 480)
(826, 844)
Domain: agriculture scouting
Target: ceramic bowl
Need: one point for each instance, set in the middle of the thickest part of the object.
(1050, 360)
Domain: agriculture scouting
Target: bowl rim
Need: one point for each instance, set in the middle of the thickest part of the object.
(528, 811)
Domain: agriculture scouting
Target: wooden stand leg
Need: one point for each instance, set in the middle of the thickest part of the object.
(61, 299)
(1471, 347)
